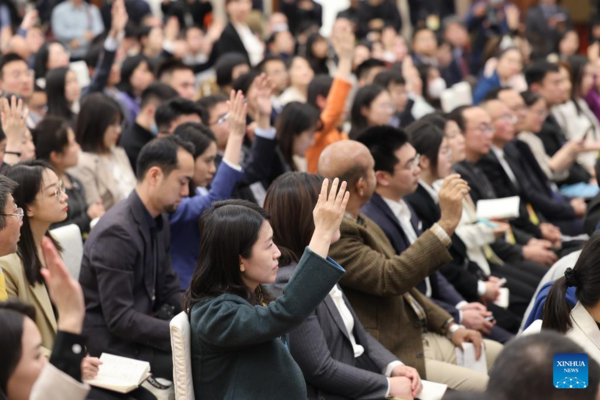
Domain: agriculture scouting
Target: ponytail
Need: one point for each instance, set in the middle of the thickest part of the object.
(557, 312)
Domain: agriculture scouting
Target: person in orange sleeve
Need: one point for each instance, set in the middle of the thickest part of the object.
(330, 95)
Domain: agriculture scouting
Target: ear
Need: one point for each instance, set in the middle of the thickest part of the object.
(242, 268)
(361, 186)
(56, 158)
(321, 101)
(535, 87)
(150, 110)
(29, 212)
(425, 162)
(383, 178)
(364, 111)
(154, 176)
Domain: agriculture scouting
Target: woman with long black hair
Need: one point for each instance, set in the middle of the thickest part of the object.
(63, 92)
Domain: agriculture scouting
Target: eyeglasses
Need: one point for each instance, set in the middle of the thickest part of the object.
(19, 213)
(59, 191)
(221, 120)
(485, 129)
(507, 117)
(412, 165)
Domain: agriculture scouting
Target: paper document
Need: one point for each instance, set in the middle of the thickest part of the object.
(466, 358)
(505, 208)
(120, 374)
(432, 390)
(503, 298)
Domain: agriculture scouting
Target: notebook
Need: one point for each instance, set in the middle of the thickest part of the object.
(504, 208)
(120, 374)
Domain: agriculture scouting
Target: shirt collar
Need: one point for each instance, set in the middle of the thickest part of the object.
(153, 223)
(498, 151)
(430, 190)
(399, 208)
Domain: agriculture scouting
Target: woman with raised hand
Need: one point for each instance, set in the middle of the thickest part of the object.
(239, 345)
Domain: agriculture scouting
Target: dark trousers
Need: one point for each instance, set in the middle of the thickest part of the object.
(522, 279)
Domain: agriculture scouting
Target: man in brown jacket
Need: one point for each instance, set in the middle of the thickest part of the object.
(381, 285)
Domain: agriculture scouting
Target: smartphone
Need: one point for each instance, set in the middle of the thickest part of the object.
(501, 282)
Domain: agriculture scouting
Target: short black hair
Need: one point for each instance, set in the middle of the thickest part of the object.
(365, 67)
(245, 81)
(225, 65)
(426, 138)
(93, 55)
(385, 78)
(198, 135)
(7, 59)
(458, 115)
(530, 97)
(524, 369)
(319, 86)
(7, 187)
(383, 141)
(270, 58)
(162, 153)
(174, 108)
(50, 135)
(493, 94)
(170, 66)
(209, 102)
(538, 71)
(157, 93)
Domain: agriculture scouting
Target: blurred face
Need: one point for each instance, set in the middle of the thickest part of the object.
(587, 81)
(28, 148)
(57, 56)
(320, 48)
(10, 234)
(30, 365)
(503, 121)
(278, 73)
(183, 81)
(156, 38)
(195, 40)
(221, 130)
(553, 87)
(536, 115)
(361, 54)
(444, 166)
(175, 186)
(510, 64)
(425, 43)
(238, 10)
(400, 49)
(2, 151)
(516, 104)
(399, 96)
(204, 166)
(112, 134)
(381, 110)
(566, 84)
(72, 87)
(303, 141)
(405, 179)
(239, 70)
(457, 35)
(142, 77)
(284, 43)
(50, 205)
(569, 45)
(182, 119)
(115, 75)
(70, 155)
(34, 39)
(38, 103)
(300, 72)
(456, 142)
(262, 265)
(17, 78)
(478, 132)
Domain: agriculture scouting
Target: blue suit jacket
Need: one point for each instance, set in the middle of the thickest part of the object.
(484, 86)
(443, 293)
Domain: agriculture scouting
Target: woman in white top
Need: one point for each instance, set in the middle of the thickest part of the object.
(581, 324)
(103, 167)
(301, 74)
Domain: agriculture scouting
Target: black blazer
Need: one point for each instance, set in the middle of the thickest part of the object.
(443, 293)
(230, 42)
(321, 346)
(119, 285)
(461, 272)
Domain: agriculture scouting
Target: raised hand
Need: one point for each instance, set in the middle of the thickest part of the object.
(346, 42)
(29, 19)
(264, 104)
(238, 109)
(14, 119)
(328, 215)
(65, 292)
(452, 193)
(171, 29)
(119, 18)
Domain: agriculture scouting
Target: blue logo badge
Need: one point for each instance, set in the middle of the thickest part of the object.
(571, 371)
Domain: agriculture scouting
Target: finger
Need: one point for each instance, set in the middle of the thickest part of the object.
(323, 194)
(333, 190)
(53, 261)
(477, 343)
(25, 113)
(13, 104)
(340, 195)
(345, 201)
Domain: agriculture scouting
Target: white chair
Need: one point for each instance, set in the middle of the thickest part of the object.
(69, 237)
(182, 357)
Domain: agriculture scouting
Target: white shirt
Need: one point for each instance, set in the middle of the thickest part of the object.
(253, 46)
(511, 175)
(402, 213)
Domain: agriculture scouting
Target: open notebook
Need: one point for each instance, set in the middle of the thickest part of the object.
(120, 374)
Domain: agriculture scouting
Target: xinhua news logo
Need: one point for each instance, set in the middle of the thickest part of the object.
(571, 371)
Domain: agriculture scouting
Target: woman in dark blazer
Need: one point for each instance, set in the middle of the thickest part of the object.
(239, 345)
(237, 36)
(338, 362)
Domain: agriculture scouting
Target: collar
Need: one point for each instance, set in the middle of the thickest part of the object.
(498, 151)
(430, 190)
(359, 219)
(153, 223)
(399, 208)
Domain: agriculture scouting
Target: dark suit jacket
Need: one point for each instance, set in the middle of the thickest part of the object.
(442, 292)
(237, 351)
(462, 273)
(119, 285)
(132, 141)
(321, 347)
(230, 42)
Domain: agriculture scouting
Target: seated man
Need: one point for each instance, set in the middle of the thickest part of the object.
(131, 291)
(381, 285)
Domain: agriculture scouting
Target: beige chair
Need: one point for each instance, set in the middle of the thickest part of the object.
(70, 240)
(182, 357)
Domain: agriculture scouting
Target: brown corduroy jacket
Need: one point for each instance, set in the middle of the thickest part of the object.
(377, 280)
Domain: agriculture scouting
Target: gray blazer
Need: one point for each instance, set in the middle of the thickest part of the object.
(321, 347)
(237, 350)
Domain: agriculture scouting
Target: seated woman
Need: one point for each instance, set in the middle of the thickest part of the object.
(185, 231)
(63, 91)
(372, 106)
(301, 74)
(103, 166)
(508, 68)
(239, 334)
(136, 75)
(581, 324)
(334, 351)
(55, 143)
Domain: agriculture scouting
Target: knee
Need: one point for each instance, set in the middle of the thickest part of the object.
(492, 350)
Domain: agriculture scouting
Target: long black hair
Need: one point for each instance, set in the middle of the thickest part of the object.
(585, 276)
(294, 119)
(29, 175)
(97, 113)
(127, 69)
(229, 229)
(426, 138)
(55, 88)
(319, 65)
(50, 135)
(12, 318)
(364, 98)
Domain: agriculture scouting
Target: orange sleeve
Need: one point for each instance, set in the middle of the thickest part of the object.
(330, 117)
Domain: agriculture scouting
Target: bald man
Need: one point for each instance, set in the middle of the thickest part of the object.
(381, 285)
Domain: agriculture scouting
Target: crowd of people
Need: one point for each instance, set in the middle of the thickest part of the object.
(309, 201)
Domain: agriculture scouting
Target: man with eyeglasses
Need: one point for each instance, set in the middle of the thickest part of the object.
(11, 220)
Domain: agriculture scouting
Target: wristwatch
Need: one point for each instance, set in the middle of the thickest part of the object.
(452, 329)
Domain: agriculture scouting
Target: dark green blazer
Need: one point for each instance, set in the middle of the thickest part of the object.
(237, 350)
